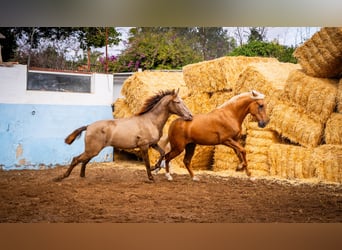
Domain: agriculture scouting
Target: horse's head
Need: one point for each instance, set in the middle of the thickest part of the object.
(257, 108)
(178, 107)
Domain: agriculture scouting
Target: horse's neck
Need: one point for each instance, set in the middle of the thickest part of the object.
(159, 114)
(240, 109)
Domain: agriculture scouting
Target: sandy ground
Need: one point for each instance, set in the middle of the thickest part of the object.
(120, 192)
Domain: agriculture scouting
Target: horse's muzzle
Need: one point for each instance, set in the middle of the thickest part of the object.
(188, 117)
(262, 124)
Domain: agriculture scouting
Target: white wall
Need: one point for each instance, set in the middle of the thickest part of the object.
(13, 82)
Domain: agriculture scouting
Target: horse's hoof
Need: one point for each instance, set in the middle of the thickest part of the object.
(155, 170)
(168, 177)
(195, 178)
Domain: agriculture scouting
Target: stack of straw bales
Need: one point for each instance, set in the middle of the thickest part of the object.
(303, 138)
(141, 85)
(321, 55)
(219, 74)
(268, 78)
(308, 113)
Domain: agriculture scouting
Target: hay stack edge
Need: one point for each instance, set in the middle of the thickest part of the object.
(303, 140)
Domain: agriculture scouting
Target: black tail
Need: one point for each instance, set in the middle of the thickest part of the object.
(75, 135)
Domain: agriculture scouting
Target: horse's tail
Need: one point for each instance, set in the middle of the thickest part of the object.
(75, 135)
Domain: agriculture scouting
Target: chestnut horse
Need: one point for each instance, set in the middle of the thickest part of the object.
(139, 131)
(220, 126)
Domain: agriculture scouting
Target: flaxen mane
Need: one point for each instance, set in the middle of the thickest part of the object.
(153, 100)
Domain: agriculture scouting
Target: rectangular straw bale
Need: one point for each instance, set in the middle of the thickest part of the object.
(142, 85)
(317, 96)
(328, 162)
(268, 78)
(339, 97)
(333, 129)
(257, 145)
(320, 56)
(199, 102)
(218, 74)
(294, 124)
(121, 109)
(224, 159)
(290, 161)
(220, 97)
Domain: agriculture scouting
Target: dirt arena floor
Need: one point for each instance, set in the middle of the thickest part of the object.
(119, 192)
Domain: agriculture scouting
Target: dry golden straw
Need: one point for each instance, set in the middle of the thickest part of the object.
(317, 96)
(333, 129)
(320, 56)
(294, 124)
(269, 78)
(218, 74)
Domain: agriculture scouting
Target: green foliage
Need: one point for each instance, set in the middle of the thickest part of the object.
(265, 49)
(172, 48)
(96, 37)
(152, 48)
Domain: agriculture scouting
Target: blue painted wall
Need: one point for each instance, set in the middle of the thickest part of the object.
(32, 135)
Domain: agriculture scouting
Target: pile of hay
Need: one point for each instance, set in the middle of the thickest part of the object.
(327, 160)
(219, 74)
(289, 161)
(268, 78)
(224, 159)
(303, 138)
(320, 56)
(141, 85)
(339, 97)
(317, 96)
(258, 141)
(322, 163)
(304, 107)
(333, 129)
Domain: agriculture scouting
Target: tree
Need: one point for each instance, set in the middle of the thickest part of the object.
(214, 42)
(97, 37)
(257, 34)
(172, 48)
(34, 39)
(156, 48)
(265, 49)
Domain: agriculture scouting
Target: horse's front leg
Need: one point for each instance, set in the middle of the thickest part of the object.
(162, 154)
(241, 153)
(144, 152)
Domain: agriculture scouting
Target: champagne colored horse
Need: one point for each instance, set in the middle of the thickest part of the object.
(220, 126)
(140, 131)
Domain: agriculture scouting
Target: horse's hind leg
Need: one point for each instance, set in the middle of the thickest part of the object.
(73, 163)
(144, 154)
(168, 157)
(189, 152)
(84, 158)
(83, 168)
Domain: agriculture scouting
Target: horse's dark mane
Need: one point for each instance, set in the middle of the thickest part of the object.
(153, 100)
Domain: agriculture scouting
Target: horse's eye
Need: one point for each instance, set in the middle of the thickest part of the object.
(261, 106)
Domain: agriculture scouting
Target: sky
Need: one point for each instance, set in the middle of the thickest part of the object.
(290, 36)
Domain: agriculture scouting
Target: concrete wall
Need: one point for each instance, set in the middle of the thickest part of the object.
(33, 124)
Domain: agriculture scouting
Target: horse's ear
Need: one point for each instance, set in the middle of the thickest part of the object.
(176, 92)
(254, 93)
